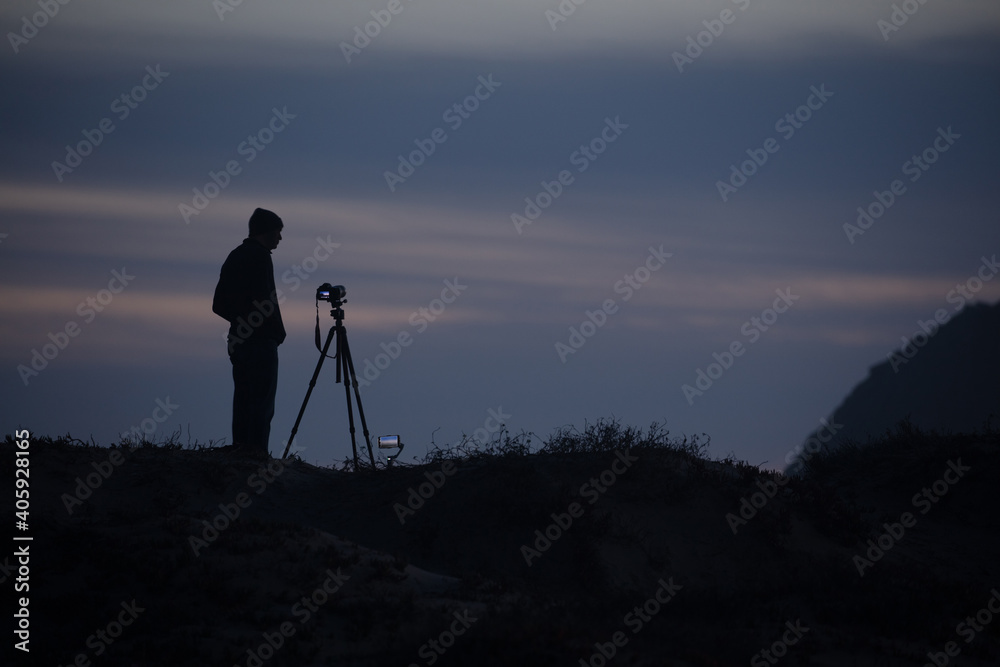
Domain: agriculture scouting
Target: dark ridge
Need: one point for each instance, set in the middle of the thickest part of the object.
(739, 552)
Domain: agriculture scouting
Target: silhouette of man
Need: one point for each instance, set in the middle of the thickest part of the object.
(247, 299)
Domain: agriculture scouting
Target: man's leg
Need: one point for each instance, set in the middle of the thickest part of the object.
(241, 394)
(255, 381)
(269, 388)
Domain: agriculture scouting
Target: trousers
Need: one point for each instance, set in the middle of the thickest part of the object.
(255, 382)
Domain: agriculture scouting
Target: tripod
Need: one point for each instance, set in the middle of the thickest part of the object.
(345, 370)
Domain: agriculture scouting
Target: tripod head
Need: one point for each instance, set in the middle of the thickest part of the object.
(334, 295)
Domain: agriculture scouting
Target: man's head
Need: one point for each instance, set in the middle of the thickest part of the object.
(265, 228)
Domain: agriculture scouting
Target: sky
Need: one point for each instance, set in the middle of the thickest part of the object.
(715, 215)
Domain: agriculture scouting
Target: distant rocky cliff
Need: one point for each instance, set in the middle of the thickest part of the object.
(945, 377)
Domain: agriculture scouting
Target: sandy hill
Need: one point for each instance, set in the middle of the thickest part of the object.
(611, 545)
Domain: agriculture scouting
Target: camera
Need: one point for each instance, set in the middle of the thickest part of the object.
(331, 293)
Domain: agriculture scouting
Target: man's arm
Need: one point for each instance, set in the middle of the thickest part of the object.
(222, 304)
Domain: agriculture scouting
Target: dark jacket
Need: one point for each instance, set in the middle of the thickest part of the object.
(246, 296)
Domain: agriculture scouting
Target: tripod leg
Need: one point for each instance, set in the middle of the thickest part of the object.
(312, 383)
(349, 373)
(342, 365)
